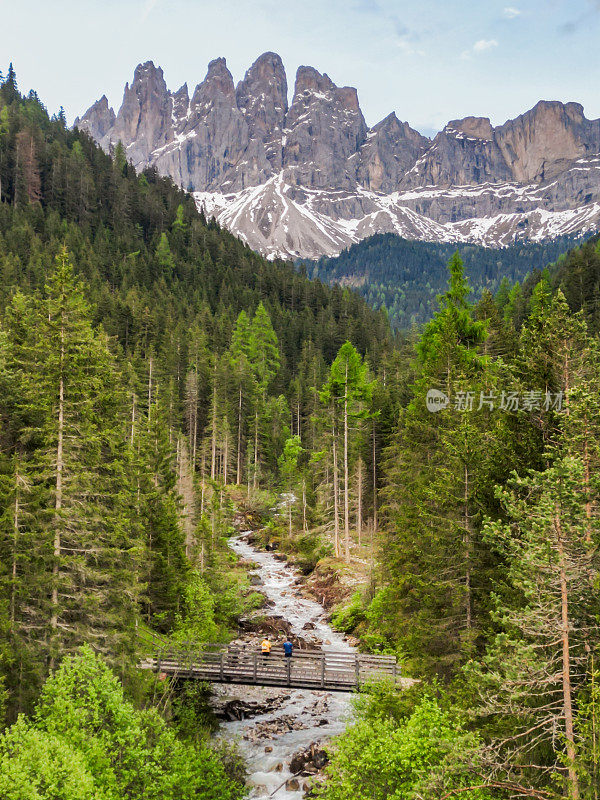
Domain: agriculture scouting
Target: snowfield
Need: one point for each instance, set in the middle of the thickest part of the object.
(281, 220)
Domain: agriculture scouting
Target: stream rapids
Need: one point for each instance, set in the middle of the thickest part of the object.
(299, 716)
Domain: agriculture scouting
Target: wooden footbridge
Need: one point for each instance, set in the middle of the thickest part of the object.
(306, 669)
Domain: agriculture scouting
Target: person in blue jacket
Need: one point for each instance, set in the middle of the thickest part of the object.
(287, 648)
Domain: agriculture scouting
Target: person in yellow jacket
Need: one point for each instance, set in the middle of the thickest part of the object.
(265, 647)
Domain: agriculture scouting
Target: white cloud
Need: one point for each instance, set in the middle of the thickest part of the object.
(484, 44)
(479, 47)
(510, 12)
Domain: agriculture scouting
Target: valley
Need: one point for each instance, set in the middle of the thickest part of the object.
(203, 444)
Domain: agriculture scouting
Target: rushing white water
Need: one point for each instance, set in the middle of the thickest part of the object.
(321, 714)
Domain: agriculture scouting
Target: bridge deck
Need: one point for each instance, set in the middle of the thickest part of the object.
(306, 669)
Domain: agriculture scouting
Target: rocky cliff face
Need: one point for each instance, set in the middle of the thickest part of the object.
(312, 178)
(262, 97)
(324, 131)
(390, 150)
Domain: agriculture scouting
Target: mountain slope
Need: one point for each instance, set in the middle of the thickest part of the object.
(407, 276)
(311, 178)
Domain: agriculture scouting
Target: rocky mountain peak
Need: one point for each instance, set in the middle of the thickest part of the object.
(391, 148)
(98, 120)
(262, 98)
(475, 127)
(267, 71)
(324, 131)
(308, 79)
(217, 84)
(148, 73)
(144, 119)
(540, 142)
(181, 102)
(309, 179)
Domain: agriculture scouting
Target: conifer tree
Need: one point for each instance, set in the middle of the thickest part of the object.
(534, 669)
(347, 386)
(78, 466)
(265, 361)
(436, 464)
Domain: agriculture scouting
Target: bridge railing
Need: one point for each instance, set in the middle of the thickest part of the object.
(217, 662)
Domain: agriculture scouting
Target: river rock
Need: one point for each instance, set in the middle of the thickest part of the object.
(270, 729)
(309, 761)
(245, 708)
(292, 785)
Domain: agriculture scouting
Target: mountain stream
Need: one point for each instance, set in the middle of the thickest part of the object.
(295, 717)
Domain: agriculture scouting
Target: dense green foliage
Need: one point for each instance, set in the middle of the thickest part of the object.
(85, 740)
(145, 357)
(489, 556)
(382, 755)
(405, 276)
(576, 274)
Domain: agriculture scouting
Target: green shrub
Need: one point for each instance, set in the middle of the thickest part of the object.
(346, 619)
(387, 756)
(35, 765)
(86, 741)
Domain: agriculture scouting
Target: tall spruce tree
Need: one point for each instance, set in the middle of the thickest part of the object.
(346, 390)
(435, 465)
(74, 436)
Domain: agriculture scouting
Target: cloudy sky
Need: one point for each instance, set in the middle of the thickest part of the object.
(430, 61)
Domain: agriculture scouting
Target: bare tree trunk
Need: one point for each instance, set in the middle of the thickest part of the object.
(248, 468)
(336, 519)
(225, 456)
(58, 500)
(149, 386)
(304, 529)
(16, 532)
(359, 502)
(132, 434)
(16, 182)
(255, 477)
(374, 479)
(203, 479)
(467, 543)
(238, 478)
(346, 476)
(213, 452)
(195, 437)
(573, 781)
(188, 495)
(586, 478)
(595, 781)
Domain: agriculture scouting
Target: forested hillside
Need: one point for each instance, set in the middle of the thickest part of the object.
(489, 552)
(159, 381)
(406, 276)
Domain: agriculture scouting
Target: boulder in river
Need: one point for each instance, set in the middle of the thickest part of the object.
(309, 761)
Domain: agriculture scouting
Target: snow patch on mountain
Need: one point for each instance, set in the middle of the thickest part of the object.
(281, 221)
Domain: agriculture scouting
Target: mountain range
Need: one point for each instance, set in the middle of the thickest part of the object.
(310, 178)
